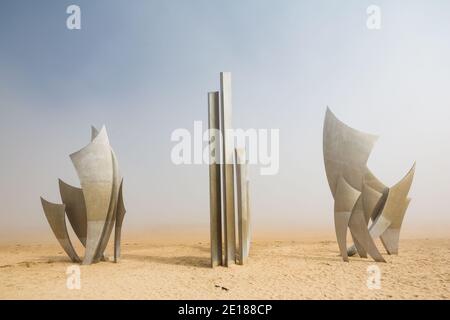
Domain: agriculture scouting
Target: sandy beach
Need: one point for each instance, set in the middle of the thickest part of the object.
(301, 269)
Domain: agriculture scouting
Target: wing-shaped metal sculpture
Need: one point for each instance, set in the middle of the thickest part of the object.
(360, 232)
(97, 206)
(345, 199)
(57, 221)
(359, 196)
(388, 223)
(120, 214)
(111, 217)
(73, 199)
(345, 152)
(94, 133)
(94, 166)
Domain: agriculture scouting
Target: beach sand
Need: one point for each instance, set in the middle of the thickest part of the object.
(301, 269)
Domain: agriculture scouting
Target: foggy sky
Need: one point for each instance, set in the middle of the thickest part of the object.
(143, 69)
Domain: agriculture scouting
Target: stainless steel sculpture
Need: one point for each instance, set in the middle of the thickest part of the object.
(96, 207)
(222, 182)
(73, 199)
(243, 206)
(359, 197)
(228, 175)
(120, 214)
(57, 220)
(215, 179)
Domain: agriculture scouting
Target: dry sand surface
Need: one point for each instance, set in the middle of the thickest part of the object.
(307, 269)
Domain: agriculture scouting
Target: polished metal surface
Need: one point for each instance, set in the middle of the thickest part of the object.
(57, 220)
(224, 185)
(242, 204)
(120, 215)
(73, 199)
(97, 206)
(228, 175)
(215, 187)
(360, 198)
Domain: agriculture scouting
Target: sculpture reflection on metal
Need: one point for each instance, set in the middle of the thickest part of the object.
(94, 209)
(360, 198)
(224, 161)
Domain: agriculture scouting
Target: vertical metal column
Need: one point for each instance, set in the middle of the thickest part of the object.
(249, 216)
(242, 202)
(228, 178)
(215, 195)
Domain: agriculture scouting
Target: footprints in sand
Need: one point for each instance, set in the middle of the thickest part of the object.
(27, 264)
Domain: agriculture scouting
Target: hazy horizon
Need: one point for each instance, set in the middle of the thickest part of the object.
(144, 69)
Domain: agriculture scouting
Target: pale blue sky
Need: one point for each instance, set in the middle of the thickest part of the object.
(143, 68)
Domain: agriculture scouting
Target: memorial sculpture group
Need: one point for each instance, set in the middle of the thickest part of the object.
(224, 160)
(362, 203)
(360, 199)
(96, 208)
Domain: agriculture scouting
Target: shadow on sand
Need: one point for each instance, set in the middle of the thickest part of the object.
(188, 261)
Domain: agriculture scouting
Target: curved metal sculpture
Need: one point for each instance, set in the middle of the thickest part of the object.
(94, 166)
(345, 200)
(359, 196)
(73, 199)
(57, 221)
(97, 206)
(120, 214)
(387, 225)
